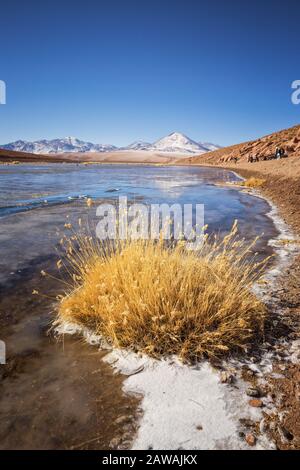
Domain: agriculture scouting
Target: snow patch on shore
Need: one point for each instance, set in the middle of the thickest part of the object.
(286, 246)
(283, 251)
(183, 406)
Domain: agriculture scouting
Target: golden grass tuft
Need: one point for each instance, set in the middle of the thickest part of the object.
(163, 300)
(253, 182)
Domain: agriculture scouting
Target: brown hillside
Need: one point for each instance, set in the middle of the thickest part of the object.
(9, 156)
(281, 177)
(288, 139)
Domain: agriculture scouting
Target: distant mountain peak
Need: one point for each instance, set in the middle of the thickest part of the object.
(54, 146)
(137, 145)
(175, 142)
(178, 135)
(72, 140)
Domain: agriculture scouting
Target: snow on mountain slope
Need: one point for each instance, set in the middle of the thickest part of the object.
(172, 143)
(209, 146)
(137, 145)
(68, 144)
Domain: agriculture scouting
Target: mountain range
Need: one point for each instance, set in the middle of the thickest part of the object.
(175, 142)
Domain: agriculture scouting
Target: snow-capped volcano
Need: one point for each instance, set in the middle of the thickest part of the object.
(178, 143)
(173, 143)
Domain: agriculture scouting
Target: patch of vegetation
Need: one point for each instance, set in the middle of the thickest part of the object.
(253, 182)
(163, 300)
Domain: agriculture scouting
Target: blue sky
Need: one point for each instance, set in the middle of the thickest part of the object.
(116, 71)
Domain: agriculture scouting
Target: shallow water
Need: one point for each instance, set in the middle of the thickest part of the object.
(29, 226)
(52, 394)
(27, 187)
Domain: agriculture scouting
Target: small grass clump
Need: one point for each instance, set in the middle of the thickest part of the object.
(253, 182)
(162, 300)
